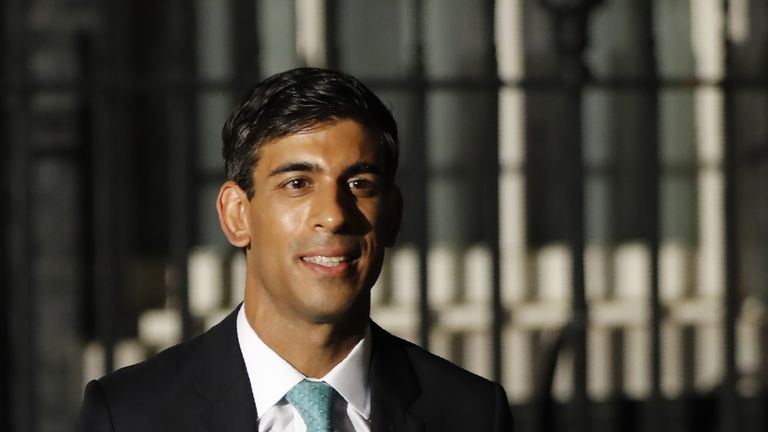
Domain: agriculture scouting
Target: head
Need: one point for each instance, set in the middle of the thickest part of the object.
(310, 156)
(297, 100)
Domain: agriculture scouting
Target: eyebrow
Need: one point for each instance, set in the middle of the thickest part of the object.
(352, 170)
(363, 168)
(295, 166)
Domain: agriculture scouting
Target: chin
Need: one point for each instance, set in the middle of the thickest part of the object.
(342, 311)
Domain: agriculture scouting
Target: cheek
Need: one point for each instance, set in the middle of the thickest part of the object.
(292, 219)
(277, 225)
(376, 218)
(287, 222)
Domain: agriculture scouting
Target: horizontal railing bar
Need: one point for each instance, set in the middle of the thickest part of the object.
(548, 84)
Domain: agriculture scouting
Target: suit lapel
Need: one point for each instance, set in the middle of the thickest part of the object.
(394, 386)
(222, 380)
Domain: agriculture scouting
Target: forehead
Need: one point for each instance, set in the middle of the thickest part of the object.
(338, 141)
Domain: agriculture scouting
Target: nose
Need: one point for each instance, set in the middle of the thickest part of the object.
(328, 210)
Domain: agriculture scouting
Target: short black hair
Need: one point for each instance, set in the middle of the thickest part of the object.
(295, 100)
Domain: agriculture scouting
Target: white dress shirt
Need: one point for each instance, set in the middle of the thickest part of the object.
(271, 377)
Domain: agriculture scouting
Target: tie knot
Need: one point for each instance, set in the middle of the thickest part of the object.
(314, 401)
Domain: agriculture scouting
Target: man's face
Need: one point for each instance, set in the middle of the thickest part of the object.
(319, 219)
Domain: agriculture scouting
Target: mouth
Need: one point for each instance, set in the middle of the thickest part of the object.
(326, 261)
(332, 261)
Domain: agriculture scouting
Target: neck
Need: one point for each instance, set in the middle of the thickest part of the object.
(312, 348)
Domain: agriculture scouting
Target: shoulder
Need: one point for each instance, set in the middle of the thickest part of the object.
(174, 368)
(445, 396)
(431, 370)
(136, 396)
(152, 386)
(167, 370)
(164, 387)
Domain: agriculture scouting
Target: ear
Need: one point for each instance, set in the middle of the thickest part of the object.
(393, 215)
(232, 206)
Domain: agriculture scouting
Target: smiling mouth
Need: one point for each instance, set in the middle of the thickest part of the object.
(326, 261)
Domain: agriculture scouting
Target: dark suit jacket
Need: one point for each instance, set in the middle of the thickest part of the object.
(202, 385)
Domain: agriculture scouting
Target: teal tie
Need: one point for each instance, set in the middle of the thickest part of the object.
(314, 401)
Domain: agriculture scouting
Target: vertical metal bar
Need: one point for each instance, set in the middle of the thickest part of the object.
(21, 290)
(494, 219)
(247, 43)
(579, 407)
(5, 279)
(571, 35)
(729, 398)
(182, 151)
(5, 247)
(574, 78)
(571, 27)
(88, 306)
(100, 156)
(645, 11)
(421, 177)
(332, 53)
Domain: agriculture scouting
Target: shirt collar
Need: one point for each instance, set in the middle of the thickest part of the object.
(350, 377)
(271, 376)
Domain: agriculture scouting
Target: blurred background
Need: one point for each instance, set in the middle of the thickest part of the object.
(586, 214)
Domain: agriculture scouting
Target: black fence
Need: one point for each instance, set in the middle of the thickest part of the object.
(106, 108)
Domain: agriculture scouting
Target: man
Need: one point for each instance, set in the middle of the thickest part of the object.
(310, 157)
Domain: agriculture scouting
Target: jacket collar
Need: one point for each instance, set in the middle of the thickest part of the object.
(222, 380)
(394, 385)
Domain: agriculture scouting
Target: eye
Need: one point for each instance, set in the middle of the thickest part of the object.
(363, 187)
(296, 184)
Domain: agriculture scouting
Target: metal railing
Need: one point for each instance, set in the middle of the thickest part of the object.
(438, 326)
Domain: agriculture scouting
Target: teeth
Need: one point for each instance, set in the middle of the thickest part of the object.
(325, 261)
